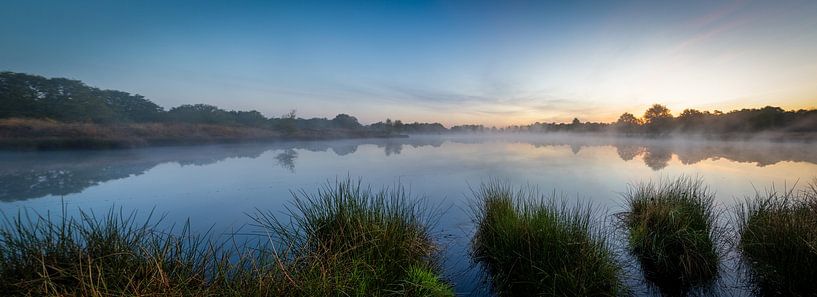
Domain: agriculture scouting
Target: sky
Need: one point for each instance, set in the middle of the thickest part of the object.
(454, 62)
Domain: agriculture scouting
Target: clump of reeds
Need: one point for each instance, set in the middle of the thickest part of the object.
(778, 240)
(98, 256)
(348, 240)
(343, 241)
(532, 245)
(672, 232)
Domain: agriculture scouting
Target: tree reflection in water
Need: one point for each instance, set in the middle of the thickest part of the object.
(26, 175)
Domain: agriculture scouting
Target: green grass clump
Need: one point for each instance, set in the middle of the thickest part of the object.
(343, 241)
(672, 233)
(535, 246)
(347, 240)
(778, 240)
(101, 256)
(423, 281)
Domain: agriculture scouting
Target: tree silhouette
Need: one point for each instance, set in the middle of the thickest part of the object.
(345, 121)
(66, 100)
(628, 123)
(658, 119)
(287, 123)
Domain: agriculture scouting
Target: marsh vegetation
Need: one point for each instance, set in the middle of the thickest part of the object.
(343, 240)
(536, 245)
(778, 240)
(351, 240)
(672, 232)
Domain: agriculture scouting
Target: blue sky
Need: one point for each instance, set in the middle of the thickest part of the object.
(495, 63)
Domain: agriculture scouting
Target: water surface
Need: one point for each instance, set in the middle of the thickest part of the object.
(216, 186)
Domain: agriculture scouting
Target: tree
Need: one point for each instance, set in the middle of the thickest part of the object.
(24, 95)
(691, 119)
(249, 118)
(345, 121)
(199, 114)
(132, 107)
(658, 119)
(628, 123)
(287, 123)
(628, 119)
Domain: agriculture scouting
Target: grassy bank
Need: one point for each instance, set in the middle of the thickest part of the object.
(531, 245)
(343, 241)
(778, 239)
(47, 134)
(672, 233)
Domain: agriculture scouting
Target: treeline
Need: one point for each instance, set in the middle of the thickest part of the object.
(658, 120)
(398, 126)
(72, 101)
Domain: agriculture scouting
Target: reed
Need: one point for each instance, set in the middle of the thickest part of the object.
(536, 245)
(343, 241)
(346, 239)
(672, 232)
(778, 240)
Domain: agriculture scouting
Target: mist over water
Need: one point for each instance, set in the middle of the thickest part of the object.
(216, 186)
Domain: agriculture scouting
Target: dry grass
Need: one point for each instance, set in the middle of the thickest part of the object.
(44, 134)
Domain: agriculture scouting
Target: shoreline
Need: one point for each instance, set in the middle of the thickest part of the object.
(32, 135)
(36, 134)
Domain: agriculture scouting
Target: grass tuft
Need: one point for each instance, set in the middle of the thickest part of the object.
(672, 233)
(778, 240)
(423, 281)
(530, 245)
(343, 241)
(346, 239)
(97, 256)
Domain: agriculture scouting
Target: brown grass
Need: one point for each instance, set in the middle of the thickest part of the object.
(43, 134)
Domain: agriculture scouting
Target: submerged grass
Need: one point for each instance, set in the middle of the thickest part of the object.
(531, 245)
(672, 233)
(342, 241)
(778, 240)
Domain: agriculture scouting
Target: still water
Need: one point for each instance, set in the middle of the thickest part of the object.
(217, 186)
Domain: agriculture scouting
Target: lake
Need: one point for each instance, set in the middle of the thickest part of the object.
(216, 186)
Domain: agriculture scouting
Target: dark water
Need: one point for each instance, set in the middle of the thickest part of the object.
(215, 186)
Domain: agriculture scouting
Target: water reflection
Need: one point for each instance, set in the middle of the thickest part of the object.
(657, 157)
(286, 159)
(628, 152)
(26, 175)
